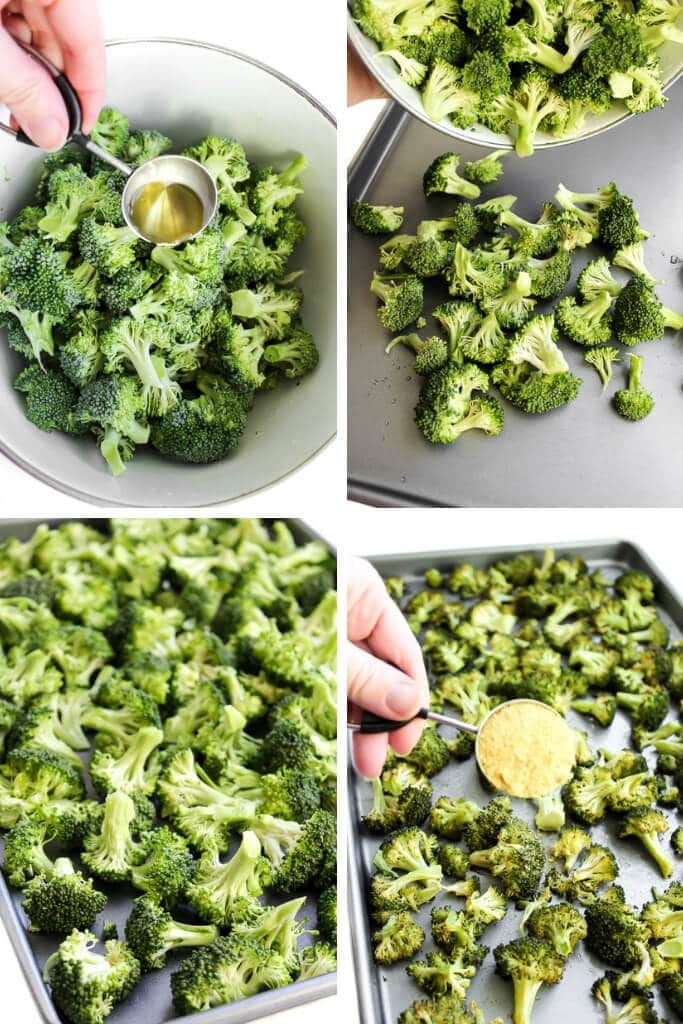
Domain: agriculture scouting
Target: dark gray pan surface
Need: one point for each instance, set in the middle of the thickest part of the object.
(150, 1003)
(385, 992)
(583, 455)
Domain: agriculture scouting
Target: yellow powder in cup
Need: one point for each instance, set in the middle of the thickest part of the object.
(525, 749)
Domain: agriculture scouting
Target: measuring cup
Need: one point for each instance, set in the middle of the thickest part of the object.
(370, 723)
(168, 169)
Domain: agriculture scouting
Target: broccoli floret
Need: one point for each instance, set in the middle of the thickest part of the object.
(648, 709)
(167, 868)
(62, 900)
(445, 95)
(151, 933)
(601, 708)
(86, 985)
(441, 976)
(399, 938)
(232, 968)
(295, 356)
(144, 145)
(442, 176)
(602, 359)
(569, 845)
(401, 299)
(637, 1009)
(25, 856)
(529, 964)
(50, 399)
(615, 932)
(634, 402)
(106, 247)
(431, 354)
(632, 258)
(597, 867)
(227, 162)
(225, 893)
(376, 220)
(72, 195)
(588, 323)
(203, 429)
(310, 860)
(560, 925)
(446, 407)
(517, 859)
(640, 316)
(647, 824)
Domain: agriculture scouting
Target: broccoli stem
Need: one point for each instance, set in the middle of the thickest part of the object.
(525, 992)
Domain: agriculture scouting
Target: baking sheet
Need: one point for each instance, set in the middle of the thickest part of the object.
(575, 456)
(384, 992)
(151, 999)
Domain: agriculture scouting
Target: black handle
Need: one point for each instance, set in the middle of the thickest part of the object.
(370, 723)
(67, 92)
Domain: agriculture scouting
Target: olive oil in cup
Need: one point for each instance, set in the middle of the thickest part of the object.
(167, 213)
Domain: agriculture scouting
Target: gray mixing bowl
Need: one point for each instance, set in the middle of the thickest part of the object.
(187, 90)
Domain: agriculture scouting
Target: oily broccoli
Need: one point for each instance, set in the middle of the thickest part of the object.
(634, 402)
(486, 169)
(516, 858)
(398, 938)
(560, 925)
(167, 868)
(62, 900)
(202, 429)
(429, 355)
(376, 220)
(647, 824)
(615, 932)
(111, 853)
(151, 933)
(232, 968)
(87, 985)
(637, 1009)
(529, 964)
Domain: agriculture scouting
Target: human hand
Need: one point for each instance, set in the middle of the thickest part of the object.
(386, 673)
(69, 34)
(360, 85)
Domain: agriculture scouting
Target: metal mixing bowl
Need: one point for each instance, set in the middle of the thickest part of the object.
(384, 71)
(187, 90)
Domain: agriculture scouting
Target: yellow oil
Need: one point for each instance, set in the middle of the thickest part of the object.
(167, 212)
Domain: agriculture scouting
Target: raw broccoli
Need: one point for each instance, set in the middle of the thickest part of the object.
(295, 356)
(151, 933)
(529, 964)
(62, 900)
(166, 867)
(51, 399)
(634, 402)
(446, 407)
(640, 316)
(442, 177)
(203, 429)
(588, 323)
(232, 968)
(486, 169)
(376, 220)
(430, 354)
(401, 299)
(86, 985)
(602, 359)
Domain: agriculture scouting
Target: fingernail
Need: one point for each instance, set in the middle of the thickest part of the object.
(401, 698)
(48, 132)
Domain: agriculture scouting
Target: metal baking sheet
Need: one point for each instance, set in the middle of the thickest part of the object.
(151, 999)
(582, 455)
(383, 992)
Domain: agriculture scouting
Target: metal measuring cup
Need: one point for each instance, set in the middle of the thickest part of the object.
(370, 723)
(168, 169)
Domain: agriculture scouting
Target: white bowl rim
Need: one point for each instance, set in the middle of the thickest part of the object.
(452, 131)
(83, 495)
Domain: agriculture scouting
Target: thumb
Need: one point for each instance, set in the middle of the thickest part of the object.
(380, 688)
(31, 95)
